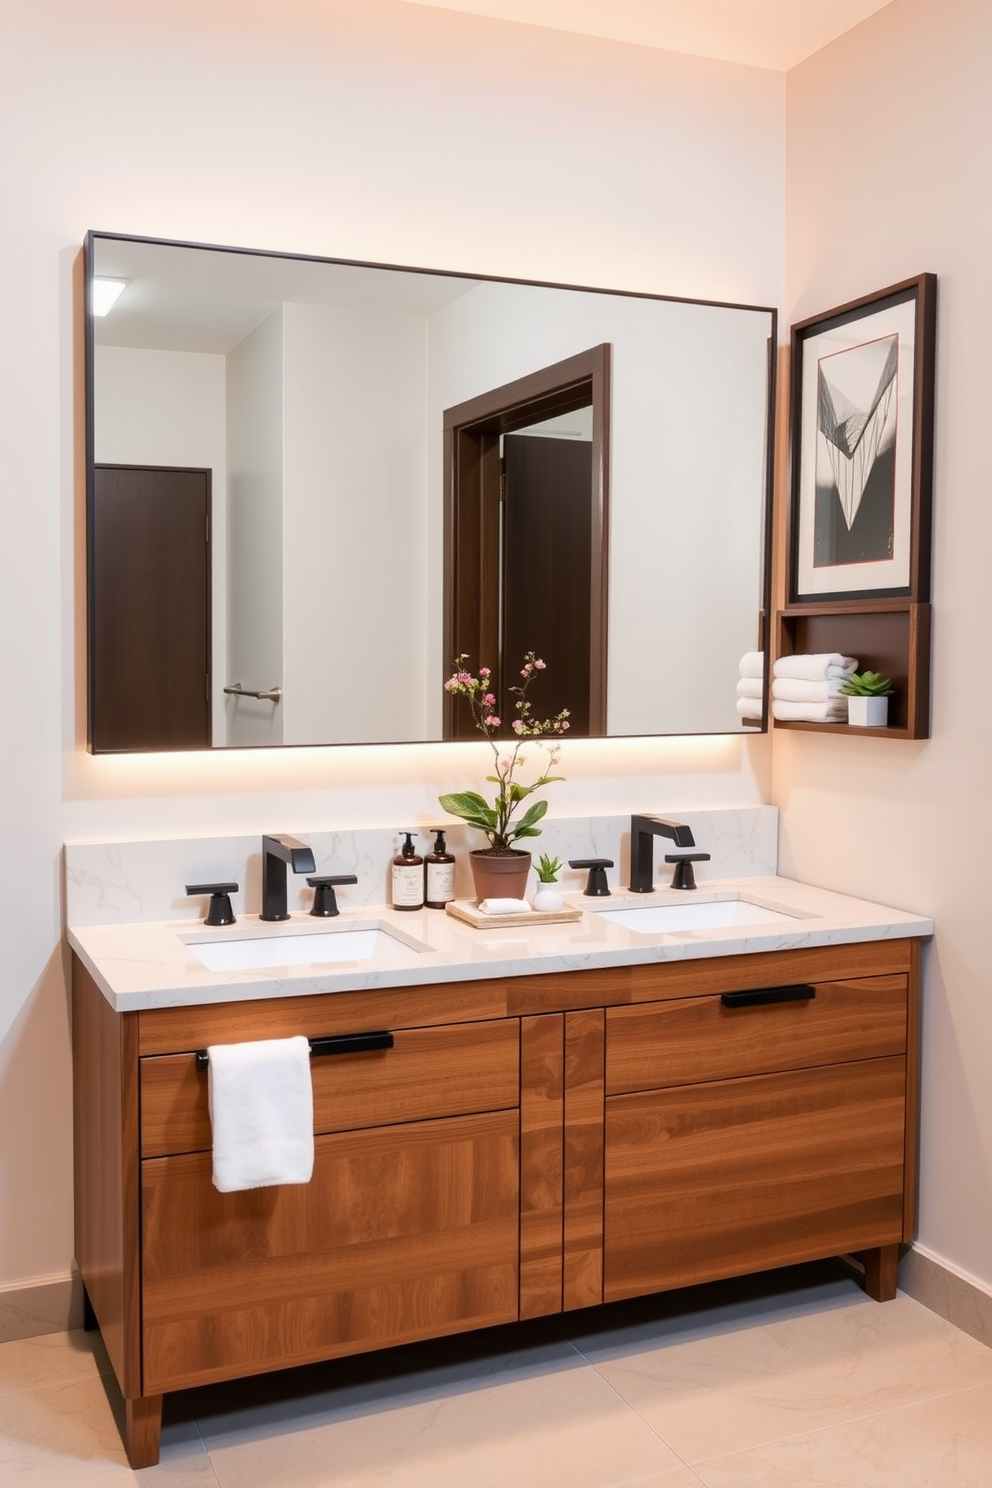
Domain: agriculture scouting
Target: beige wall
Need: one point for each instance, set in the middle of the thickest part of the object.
(889, 161)
(358, 128)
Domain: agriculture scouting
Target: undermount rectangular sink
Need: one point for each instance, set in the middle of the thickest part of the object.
(316, 948)
(713, 914)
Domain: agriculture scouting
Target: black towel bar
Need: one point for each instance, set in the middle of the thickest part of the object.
(341, 1043)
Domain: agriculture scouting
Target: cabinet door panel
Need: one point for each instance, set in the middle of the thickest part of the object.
(402, 1233)
(448, 1071)
(704, 1181)
(698, 1039)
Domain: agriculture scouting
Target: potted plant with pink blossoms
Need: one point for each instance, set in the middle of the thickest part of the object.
(500, 870)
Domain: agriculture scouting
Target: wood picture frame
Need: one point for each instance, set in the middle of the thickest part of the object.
(861, 426)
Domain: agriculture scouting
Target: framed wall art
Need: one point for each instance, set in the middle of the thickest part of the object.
(862, 448)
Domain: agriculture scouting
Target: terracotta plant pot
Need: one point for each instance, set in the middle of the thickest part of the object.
(499, 875)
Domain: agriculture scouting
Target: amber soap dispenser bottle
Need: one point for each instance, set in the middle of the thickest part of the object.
(439, 873)
(408, 876)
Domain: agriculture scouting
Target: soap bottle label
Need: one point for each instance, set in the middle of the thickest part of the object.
(408, 885)
(440, 883)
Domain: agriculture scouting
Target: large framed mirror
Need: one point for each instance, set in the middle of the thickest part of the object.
(297, 508)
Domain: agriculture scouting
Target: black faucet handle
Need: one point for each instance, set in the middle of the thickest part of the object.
(325, 903)
(684, 877)
(596, 885)
(219, 911)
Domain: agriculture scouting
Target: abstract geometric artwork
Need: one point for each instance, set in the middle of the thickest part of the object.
(855, 471)
(862, 421)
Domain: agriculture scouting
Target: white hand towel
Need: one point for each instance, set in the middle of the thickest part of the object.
(819, 667)
(834, 710)
(749, 707)
(504, 906)
(753, 664)
(750, 687)
(261, 1112)
(792, 690)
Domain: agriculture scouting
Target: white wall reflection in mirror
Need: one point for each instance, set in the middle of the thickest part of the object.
(314, 393)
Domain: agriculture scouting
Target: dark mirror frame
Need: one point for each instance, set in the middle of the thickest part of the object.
(454, 628)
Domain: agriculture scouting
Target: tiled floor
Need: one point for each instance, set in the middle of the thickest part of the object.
(794, 1380)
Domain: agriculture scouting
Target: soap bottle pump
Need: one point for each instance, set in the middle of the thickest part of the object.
(408, 877)
(439, 873)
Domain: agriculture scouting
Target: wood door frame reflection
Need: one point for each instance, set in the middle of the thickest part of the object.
(472, 433)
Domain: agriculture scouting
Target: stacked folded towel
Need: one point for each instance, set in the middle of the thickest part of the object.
(751, 687)
(807, 688)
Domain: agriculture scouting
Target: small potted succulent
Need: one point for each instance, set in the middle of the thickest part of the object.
(868, 696)
(548, 898)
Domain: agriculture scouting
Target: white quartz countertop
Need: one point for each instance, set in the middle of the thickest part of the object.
(153, 964)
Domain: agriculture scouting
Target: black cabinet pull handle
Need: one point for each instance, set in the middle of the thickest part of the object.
(800, 992)
(342, 1043)
(350, 1043)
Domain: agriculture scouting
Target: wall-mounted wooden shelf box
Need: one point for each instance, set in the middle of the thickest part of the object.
(891, 636)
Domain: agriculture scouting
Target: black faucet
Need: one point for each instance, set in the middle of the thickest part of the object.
(277, 851)
(642, 829)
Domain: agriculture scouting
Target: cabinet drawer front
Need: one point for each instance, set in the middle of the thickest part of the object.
(429, 1072)
(402, 1233)
(704, 1181)
(653, 1045)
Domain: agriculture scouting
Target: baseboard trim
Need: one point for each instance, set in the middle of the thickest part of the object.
(52, 1304)
(950, 1295)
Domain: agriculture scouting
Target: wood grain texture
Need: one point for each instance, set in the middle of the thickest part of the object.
(448, 1071)
(881, 1272)
(404, 1232)
(143, 1430)
(652, 1045)
(911, 1166)
(704, 1181)
(105, 1142)
(582, 1284)
(610, 986)
(542, 1117)
(173, 1030)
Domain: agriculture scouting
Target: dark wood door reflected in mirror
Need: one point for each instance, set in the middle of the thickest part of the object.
(319, 394)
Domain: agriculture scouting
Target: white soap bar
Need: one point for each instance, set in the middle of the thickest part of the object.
(504, 906)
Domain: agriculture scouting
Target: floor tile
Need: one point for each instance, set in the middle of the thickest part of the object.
(944, 1442)
(522, 1418)
(65, 1436)
(744, 1385)
(50, 1360)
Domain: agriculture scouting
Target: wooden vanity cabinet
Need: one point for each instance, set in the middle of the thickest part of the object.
(738, 1138)
(527, 1146)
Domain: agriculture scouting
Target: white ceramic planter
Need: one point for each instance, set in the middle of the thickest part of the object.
(868, 712)
(548, 898)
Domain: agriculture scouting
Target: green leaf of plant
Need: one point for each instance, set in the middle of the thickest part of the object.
(533, 814)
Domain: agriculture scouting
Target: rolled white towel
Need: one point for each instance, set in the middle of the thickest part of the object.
(834, 710)
(749, 707)
(261, 1112)
(792, 690)
(750, 687)
(753, 664)
(815, 667)
(504, 906)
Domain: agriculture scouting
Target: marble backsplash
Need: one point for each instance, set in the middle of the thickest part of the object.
(129, 882)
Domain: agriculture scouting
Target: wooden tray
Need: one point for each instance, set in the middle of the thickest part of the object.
(471, 914)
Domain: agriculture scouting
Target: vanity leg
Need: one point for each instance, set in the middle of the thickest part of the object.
(90, 1323)
(143, 1430)
(881, 1270)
